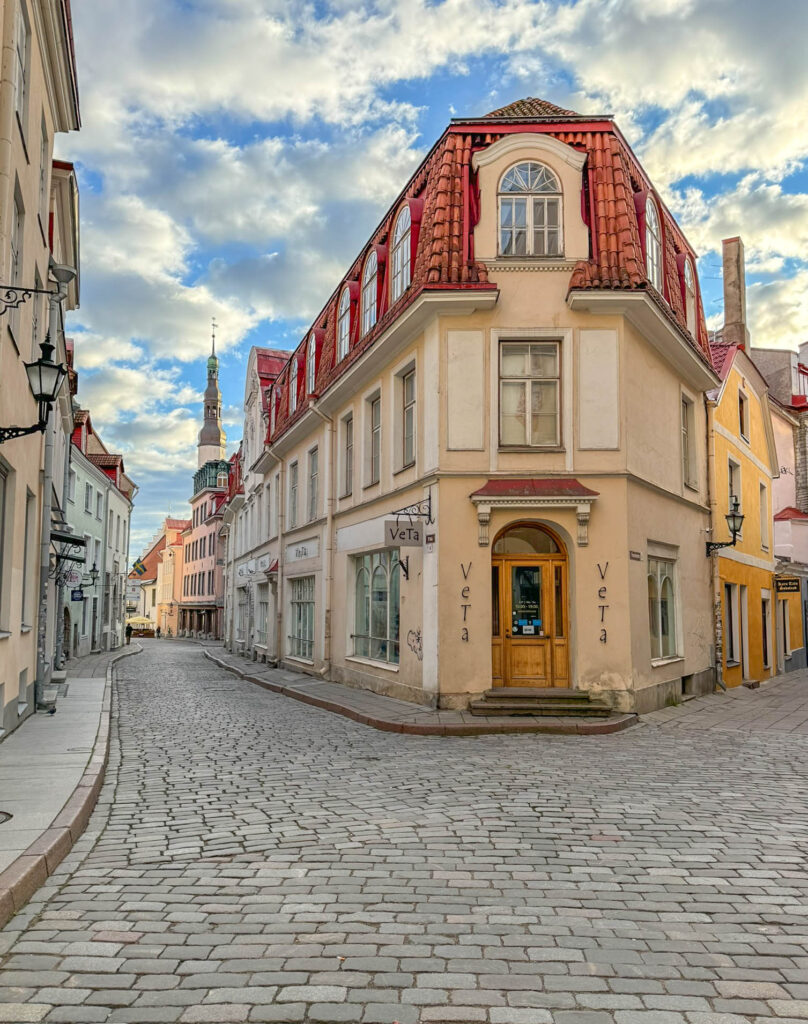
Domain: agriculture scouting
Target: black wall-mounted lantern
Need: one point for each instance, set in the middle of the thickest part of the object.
(45, 378)
(734, 520)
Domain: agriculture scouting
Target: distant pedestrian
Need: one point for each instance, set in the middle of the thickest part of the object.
(128, 634)
(158, 632)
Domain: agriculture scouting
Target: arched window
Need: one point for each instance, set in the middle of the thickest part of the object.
(653, 245)
(311, 365)
(530, 211)
(377, 598)
(369, 281)
(401, 255)
(344, 324)
(293, 385)
(690, 297)
(662, 607)
(525, 539)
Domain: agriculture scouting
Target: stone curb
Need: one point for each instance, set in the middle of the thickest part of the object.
(557, 727)
(32, 868)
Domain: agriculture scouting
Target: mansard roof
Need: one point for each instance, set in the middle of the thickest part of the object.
(444, 197)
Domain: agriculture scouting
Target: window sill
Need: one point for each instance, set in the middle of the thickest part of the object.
(299, 661)
(532, 448)
(403, 469)
(691, 486)
(25, 628)
(347, 494)
(373, 483)
(4, 634)
(661, 662)
(373, 664)
(733, 664)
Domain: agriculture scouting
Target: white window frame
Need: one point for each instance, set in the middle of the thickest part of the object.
(732, 626)
(44, 166)
(688, 414)
(347, 454)
(369, 646)
(300, 639)
(743, 416)
(764, 516)
(22, 53)
(734, 471)
(293, 484)
(311, 365)
(293, 384)
(401, 256)
(533, 199)
(408, 412)
(374, 436)
(314, 471)
(664, 568)
(17, 240)
(653, 244)
(344, 324)
(690, 296)
(6, 518)
(369, 296)
(527, 382)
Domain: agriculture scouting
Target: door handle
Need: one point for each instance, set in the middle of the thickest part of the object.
(507, 634)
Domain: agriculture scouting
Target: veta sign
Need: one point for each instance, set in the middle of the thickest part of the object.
(404, 535)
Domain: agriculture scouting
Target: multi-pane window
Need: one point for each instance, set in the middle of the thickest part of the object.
(529, 384)
(764, 516)
(3, 512)
(263, 613)
(17, 222)
(369, 292)
(21, 65)
(375, 439)
(662, 607)
(293, 385)
(731, 624)
(743, 415)
(71, 486)
(301, 636)
(408, 425)
(653, 245)
(88, 498)
(377, 606)
(344, 324)
(43, 176)
(690, 298)
(530, 211)
(688, 443)
(99, 505)
(311, 366)
(401, 255)
(347, 455)
(293, 496)
(733, 484)
(314, 459)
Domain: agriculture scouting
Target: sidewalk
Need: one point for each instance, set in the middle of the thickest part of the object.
(393, 715)
(51, 770)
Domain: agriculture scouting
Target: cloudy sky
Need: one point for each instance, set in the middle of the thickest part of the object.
(235, 155)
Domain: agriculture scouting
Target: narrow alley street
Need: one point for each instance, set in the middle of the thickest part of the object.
(256, 859)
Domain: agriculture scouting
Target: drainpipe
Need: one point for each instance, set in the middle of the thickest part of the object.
(718, 622)
(279, 596)
(60, 593)
(328, 560)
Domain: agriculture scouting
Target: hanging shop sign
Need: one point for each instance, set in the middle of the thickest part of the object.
(787, 584)
(403, 534)
(76, 595)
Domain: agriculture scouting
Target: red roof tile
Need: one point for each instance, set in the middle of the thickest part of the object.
(789, 512)
(721, 357)
(106, 461)
(530, 106)
(535, 487)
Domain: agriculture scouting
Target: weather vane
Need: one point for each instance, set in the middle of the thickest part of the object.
(213, 326)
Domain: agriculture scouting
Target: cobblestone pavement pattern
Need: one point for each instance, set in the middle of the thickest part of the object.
(255, 859)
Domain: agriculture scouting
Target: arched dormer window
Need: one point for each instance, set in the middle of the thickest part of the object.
(293, 385)
(530, 211)
(690, 297)
(369, 292)
(343, 324)
(402, 270)
(653, 245)
(311, 365)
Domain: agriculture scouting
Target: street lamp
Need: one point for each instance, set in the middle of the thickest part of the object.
(93, 576)
(734, 520)
(45, 378)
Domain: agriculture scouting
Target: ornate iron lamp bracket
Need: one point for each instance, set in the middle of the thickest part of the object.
(418, 510)
(13, 296)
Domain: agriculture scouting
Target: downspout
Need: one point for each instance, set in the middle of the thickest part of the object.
(718, 622)
(279, 596)
(60, 593)
(328, 561)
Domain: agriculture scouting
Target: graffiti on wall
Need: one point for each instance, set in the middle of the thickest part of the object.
(414, 643)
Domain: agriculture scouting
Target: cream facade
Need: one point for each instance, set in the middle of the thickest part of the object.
(507, 486)
(38, 98)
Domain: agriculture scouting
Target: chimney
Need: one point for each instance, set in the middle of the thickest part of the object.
(735, 331)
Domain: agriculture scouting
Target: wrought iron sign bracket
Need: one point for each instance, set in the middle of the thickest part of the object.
(9, 433)
(418, 510)
(13, 296)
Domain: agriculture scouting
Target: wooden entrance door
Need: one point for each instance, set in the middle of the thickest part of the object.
(529, 624)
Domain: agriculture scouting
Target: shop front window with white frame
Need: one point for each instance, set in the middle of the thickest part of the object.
(529, 394)
(377, 600)
(301, 619)
(662, 607)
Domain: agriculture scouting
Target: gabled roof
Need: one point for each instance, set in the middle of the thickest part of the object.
(150, 560)
(270, 361)
(177, 524)
(106, 461)
(788, 513)
(531, 106)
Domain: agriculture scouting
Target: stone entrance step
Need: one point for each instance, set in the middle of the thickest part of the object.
(519, 700)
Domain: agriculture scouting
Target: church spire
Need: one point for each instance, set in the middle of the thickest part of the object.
(212, 437)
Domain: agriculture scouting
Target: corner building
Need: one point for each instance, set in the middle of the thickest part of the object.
(486, 457)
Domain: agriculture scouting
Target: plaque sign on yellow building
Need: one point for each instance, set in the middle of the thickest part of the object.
(758, 618)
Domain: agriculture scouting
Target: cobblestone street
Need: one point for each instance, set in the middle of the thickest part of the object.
(256, 859)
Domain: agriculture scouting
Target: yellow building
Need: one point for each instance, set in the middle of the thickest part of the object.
(758, 620)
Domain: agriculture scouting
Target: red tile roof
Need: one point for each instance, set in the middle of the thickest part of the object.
(177, 524)
(444, 193)
(535, 487)
(106, 461)
(150, 560)
(721, 357)
(789, 512)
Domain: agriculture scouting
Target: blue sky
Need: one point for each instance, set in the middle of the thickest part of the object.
(236, 154)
